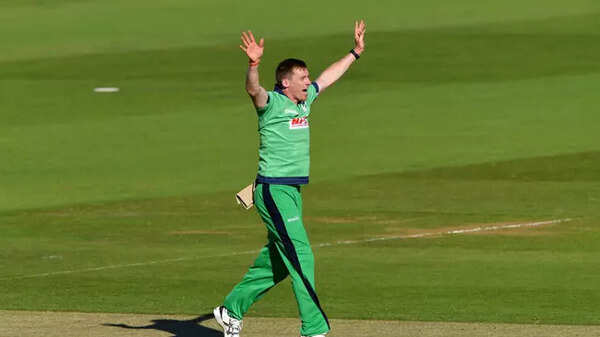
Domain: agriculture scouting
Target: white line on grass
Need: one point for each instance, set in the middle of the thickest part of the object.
(453, 232)
(115, 266)
(326, 244)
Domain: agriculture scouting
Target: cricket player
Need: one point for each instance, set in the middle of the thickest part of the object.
(283, 166)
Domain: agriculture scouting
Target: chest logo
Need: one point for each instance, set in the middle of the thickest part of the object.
(291, 112)
(299, 123)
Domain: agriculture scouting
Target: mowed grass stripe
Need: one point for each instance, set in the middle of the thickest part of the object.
(480, 52)
(456, 231)
(46, 28)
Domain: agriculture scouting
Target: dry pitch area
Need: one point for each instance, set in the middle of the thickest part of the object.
(51, 324)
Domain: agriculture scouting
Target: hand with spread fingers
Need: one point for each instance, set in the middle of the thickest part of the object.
(359, 36)
(251, 48)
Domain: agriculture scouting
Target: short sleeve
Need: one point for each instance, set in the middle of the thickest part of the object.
(312, 93)
(268, 105)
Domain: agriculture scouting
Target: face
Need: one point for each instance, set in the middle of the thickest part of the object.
(296, 85)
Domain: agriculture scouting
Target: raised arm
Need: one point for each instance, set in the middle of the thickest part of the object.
(254, 51)
(336, 70)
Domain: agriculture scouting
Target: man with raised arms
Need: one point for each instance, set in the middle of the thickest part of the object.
(283, 167)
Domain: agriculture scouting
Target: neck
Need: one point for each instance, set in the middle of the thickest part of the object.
(285, 92)
(292, 99)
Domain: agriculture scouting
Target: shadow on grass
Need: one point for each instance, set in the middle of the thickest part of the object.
(179, 328)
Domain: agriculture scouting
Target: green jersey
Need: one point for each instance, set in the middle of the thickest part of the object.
(284, 151)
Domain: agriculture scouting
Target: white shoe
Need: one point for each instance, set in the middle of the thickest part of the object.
(231, 326)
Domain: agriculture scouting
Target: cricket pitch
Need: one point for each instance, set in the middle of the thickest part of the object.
(75, 324)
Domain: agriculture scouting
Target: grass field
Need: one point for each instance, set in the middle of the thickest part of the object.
(460, 115)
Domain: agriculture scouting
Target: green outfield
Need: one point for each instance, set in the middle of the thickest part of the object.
(460, 115)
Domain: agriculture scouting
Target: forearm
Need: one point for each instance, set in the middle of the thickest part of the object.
(335, 71)
(257, 93)
(252, 85)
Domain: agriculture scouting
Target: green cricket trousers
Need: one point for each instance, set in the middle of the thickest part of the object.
(287, 252)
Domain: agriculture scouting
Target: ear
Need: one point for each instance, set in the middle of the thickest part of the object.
(285, 83)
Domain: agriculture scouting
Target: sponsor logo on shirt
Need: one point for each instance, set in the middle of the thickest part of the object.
(299, 123)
